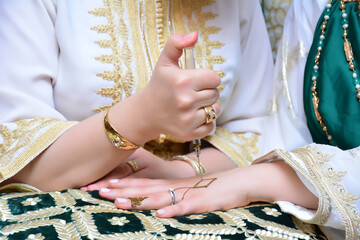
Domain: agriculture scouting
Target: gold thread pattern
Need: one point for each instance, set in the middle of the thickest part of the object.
(275, 12)
(240, 148)
(23, 140)
(324, 205)
(326, 182)
(77, 215)
(121, 56)
(153, 21)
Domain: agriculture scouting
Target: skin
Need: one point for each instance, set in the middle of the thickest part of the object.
(154, 167)
(267, 182)
(171, 103)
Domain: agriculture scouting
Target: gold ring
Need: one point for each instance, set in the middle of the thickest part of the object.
(210, 114)
(134, 166)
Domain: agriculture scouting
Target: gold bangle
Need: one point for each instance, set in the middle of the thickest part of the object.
(197, 166)
(115, 138)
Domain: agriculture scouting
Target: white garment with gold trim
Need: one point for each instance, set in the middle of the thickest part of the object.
(330, 173)
(62, 60)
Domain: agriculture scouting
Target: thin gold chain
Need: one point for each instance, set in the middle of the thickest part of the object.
(316, 99)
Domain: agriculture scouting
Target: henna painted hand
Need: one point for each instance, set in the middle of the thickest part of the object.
(193, 195)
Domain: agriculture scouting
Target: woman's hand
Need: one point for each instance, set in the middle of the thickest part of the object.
(220, 194)
(150, 166)
(180, 95)
(267, 182)
(173, 101)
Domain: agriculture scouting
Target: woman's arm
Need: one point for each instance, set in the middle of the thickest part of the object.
(41, 147)
(239, 187)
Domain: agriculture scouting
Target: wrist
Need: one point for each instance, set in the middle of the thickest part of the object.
(258, 186)
(128, 119)
(188, 167)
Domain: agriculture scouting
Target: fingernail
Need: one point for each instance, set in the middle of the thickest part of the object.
(94, 186)
(121, 200)
(189, 36)
(160, 211)
(114, 180)
(105, 190)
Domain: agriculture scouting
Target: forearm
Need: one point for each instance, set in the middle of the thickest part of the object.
(214, 160)
(82, 154)
(277, 181)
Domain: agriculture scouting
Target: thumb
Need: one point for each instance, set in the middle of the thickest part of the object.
(173, 48)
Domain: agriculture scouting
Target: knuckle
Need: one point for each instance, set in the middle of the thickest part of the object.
(186, 120)
(182, 81)
(184, 102)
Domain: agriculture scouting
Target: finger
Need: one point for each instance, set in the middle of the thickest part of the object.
(200, 117)
(134, 182)
(144, 202)
(207, 97)
(127, 192)
(174, 46)
(183, 208)
(202, 131)
(93, 187)
(202, 78)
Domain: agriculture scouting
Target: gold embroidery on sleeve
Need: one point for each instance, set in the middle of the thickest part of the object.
(324, 206)
(148, 25)
(136, 32)
(121, 56)
(343, 201)
(23, 140)
(324, 176)
(240, 148)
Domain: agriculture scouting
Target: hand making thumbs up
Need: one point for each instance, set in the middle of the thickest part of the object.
(175, 98)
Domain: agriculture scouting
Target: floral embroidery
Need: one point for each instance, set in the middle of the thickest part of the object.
(272, 212)
(35, 237)
(31, 201)
(196, 217)
(119, 221)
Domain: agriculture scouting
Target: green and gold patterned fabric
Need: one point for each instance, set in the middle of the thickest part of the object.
(75, 214)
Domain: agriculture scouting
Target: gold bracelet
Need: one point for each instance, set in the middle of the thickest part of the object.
(197, 166)
(115, 138)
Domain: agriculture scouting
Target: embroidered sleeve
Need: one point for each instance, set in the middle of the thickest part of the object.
(23, 140)
(332, 175)
(29, 121)
(241, 148)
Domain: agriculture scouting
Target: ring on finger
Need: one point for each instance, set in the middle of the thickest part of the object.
(173, 196)
(210, 114)
(134, 166)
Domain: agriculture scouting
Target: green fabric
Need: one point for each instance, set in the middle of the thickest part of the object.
(75, 214)
(339, 106)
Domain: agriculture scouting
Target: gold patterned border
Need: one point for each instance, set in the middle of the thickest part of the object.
(150, 24)
(240, 148)
(324, 206)
(34, 148)
(324, 176)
